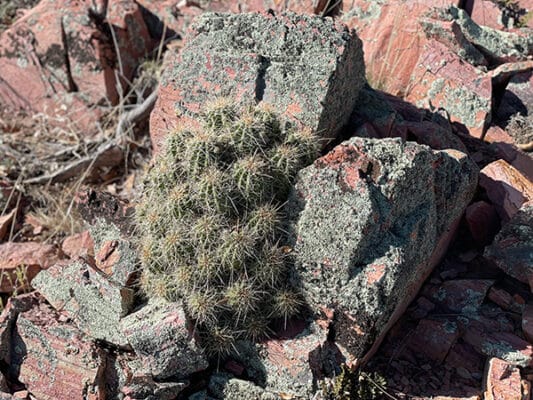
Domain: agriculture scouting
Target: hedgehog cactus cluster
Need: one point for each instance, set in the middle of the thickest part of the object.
(211, 221)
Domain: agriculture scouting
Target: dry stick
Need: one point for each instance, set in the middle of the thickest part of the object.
(12, 230)
(103, 157)
(378, 386)
(137, 114)
(526, 146)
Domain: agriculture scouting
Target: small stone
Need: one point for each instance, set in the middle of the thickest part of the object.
(163, 341)
(506, 188)
(20, 262)
(94, 303)
(78, 245)
(434, 338)
(502, 381)
(463, 296)
(511, 250)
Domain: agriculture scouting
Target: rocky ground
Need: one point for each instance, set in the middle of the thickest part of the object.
(410, 237)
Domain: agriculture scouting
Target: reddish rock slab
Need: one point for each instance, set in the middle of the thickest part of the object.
(503, 345)
(78, 245)
(511, 249)
(434, 338)
(464, 355)
(21, 262)
(163, 341)
(392, 38)
(463, 296)
(235, 56)
(54, 360)
(502, 381)
(441, 79)
(506, 188)
(486, 13)
(60, 60)
(483, 222)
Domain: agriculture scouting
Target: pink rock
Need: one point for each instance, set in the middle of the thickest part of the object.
(441, 79)
(20, 263)
(54, 359)
(434, 338)
(462, 296)
(78, 245)
(502, 381)
(485, 12)
(58, 61)
(504, 345)
(501, 298)
(527, 322)
(392, 38)
(483, 222)
(506, 188)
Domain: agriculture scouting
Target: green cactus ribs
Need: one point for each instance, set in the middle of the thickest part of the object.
(210, 221)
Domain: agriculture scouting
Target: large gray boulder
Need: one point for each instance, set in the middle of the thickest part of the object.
(369, 221)
(310, 68)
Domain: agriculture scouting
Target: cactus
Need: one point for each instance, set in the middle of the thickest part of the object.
(210, 220)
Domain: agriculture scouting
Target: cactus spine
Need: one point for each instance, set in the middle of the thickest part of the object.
(210, 221)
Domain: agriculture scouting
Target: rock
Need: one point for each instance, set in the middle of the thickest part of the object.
(527, 322)
(499, 46)
(389, 116)
(502, 381)
(293, 362)
(115, 254)
(20, 262)
(235, 56)
(361, 249)
(434, 338)
(503, 345)
(3, 383)
(392, 38)
(442, 80)
(482, 221)
(503, 299)
(6, 222)
(506, 188)
(224, 386)
(511, 249)
(462, 296)
(61, 60)
(486, 13)
(517, 97)
(464, 355)
(161, 338)
(94, 303)
(145, 388)
(51, 358)
(78, 245)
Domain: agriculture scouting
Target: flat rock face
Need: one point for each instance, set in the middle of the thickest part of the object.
(369, 221)
(502, 381)
(512, 249)
(310, 69)
(162, 340)
(441, 79)
(53, 359)
(93, 302)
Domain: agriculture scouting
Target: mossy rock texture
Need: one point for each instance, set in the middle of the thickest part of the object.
(369, 221)
(310, 68)
(211, 221)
